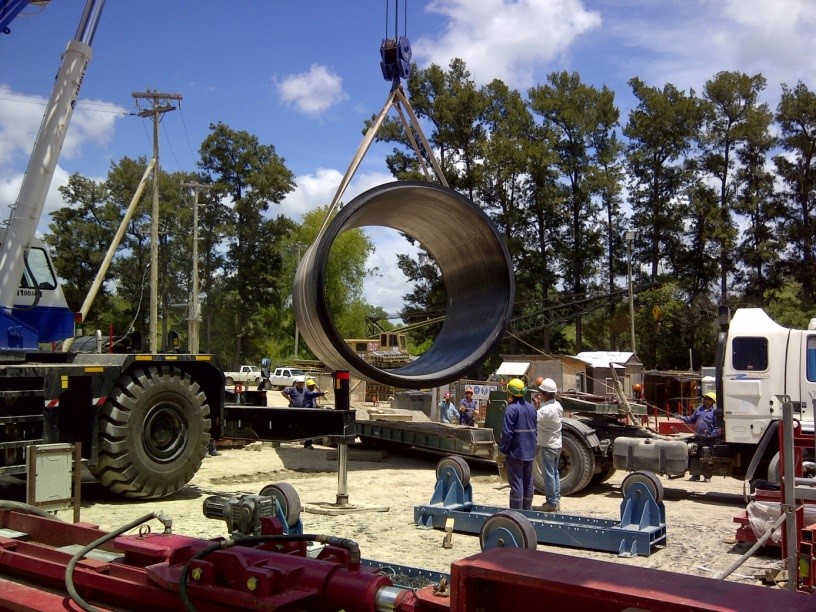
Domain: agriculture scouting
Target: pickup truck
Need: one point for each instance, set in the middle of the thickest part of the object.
(285, 377)
(245, 374)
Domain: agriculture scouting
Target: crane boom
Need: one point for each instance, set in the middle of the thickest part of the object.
(26, 212)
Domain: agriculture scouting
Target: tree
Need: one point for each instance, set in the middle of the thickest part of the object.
(796, 116)
(607, 182)
(759, 251)
(251, 176)
(574, 112)
(81, 233)
(668, 326)
(660, 129)
(730, 101)
(345, 272)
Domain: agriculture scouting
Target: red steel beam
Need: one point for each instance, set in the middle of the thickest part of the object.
(513, 578)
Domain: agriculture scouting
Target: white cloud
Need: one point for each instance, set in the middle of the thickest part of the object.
(318, 189)
(92, 122)
(313, 92)
(506, 39)
(387, 288)
(690, 42)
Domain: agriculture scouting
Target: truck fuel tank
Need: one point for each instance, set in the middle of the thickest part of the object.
(658, 456)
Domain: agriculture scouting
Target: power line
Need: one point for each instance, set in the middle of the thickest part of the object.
(24, 97)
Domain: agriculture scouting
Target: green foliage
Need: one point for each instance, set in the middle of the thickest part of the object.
(247, 177)
(796, 116)
(730, 107)
(785, 306)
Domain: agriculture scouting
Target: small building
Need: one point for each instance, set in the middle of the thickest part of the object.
(569, 373)
(600, 365)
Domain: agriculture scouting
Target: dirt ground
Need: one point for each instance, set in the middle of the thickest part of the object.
(699, 516)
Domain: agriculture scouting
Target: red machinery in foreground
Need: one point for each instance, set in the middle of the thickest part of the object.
(47, 565)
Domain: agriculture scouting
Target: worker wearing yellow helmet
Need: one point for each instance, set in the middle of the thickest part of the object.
(518, 444)
(705, 428)
(310, 395)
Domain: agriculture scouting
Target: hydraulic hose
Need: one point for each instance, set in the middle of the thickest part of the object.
(6, 504)
(69, 570)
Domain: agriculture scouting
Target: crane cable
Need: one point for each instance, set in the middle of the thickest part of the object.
(410, 123)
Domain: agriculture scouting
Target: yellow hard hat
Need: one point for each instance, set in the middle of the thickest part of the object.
(310, 382)
(516, 387)
(711, 395)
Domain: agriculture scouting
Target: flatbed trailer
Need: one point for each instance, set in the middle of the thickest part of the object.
(462, 440)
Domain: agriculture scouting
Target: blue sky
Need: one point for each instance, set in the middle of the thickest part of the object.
(304, 75)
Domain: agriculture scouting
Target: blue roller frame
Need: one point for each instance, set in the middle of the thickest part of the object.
(642, 524)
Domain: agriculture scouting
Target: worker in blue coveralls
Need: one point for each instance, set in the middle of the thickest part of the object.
(299, 397)
(518, 444)
(467, 407)
(705, 428)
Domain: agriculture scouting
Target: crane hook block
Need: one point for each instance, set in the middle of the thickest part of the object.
(396, 58)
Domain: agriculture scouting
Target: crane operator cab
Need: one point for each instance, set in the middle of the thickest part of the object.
(40, 312)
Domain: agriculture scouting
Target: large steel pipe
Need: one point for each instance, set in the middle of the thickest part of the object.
(475, 267)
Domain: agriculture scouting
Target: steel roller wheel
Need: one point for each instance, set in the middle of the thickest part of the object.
(458, 464)
(508, 529)
(648, 479)
(287, 499)
(153, 433)
(575, 467)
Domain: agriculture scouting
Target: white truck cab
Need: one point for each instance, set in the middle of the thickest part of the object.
(762, 362)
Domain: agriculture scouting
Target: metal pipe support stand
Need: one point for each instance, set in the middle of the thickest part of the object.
(341, 504)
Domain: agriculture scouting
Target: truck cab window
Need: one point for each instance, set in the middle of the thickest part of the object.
(810, 357)
(750, 354)
(40, 267)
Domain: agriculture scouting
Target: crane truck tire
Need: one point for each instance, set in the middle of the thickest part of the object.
(153, 433)
(576, 466)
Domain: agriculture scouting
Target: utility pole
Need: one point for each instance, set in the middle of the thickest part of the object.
(195, 314)
(156, 110)
(630, 237)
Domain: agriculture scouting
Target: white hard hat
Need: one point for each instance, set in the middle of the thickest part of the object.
(300, 379)
(548, 386)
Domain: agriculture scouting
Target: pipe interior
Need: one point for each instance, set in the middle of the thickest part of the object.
(474, 264)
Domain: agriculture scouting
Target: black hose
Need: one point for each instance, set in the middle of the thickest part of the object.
(69, 569)
(6, 504)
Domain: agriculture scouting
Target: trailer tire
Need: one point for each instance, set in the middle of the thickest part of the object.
(153, 433)
(576, 466)
(606, 472)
